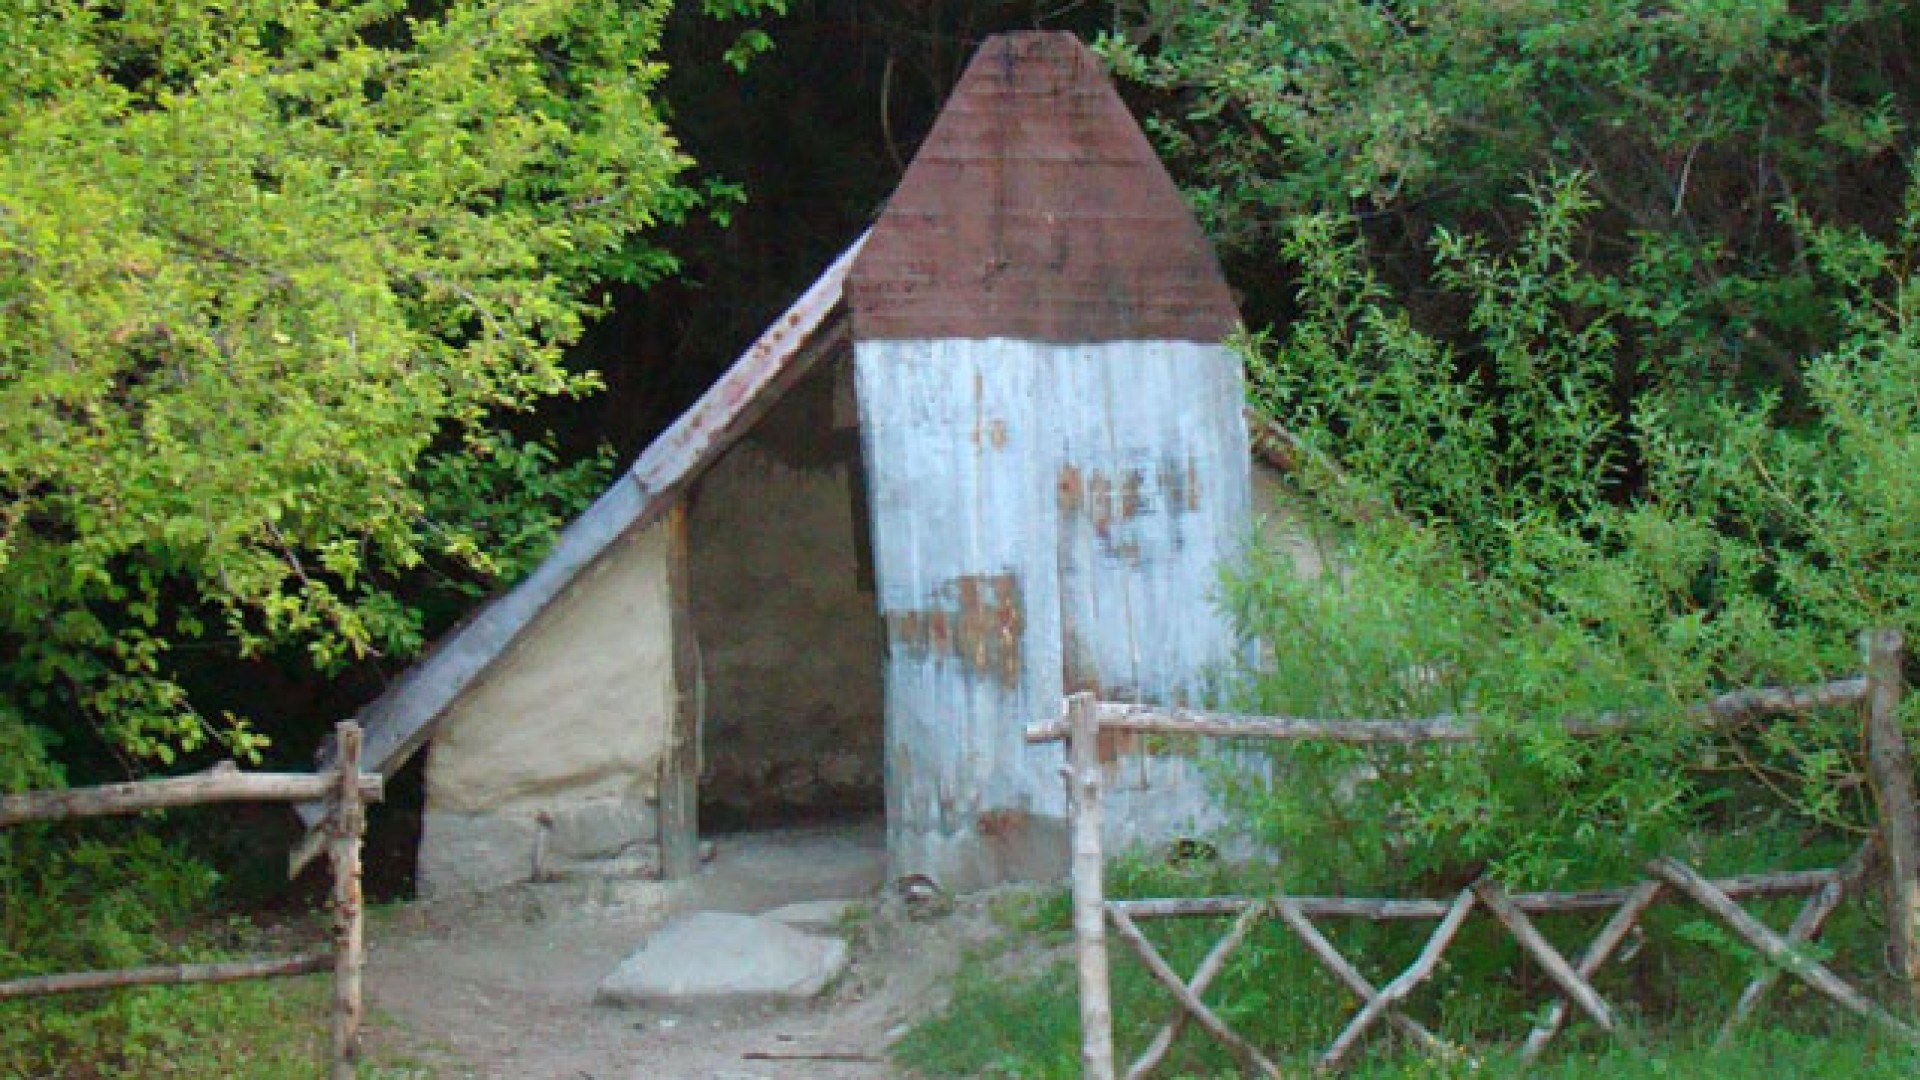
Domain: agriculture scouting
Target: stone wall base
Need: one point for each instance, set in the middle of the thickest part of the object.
(467, 853)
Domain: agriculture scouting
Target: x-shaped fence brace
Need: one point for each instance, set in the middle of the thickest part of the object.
(1671, 880)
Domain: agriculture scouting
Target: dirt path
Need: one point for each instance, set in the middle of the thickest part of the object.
(504, 989)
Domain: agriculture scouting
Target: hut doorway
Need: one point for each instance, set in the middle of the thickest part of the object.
(789, 637)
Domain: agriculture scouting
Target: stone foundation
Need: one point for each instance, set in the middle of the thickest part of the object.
(476, 852)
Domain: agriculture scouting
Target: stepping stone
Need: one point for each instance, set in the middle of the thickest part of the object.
(716, 959)
(814, 915)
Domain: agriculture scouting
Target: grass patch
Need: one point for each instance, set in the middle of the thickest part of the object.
(265, 1030)
(91, 899)
(1028, 1029)
(1003, 1021)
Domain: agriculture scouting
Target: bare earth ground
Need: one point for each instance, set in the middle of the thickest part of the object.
(504, 989)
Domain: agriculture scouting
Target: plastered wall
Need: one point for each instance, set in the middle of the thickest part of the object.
(554, 757)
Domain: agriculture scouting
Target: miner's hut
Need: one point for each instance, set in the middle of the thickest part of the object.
(994, 454)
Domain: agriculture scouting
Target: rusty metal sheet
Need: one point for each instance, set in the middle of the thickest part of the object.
(1036, 209)
(1078, 544)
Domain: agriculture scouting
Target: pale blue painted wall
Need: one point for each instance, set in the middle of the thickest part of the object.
(1041, 511)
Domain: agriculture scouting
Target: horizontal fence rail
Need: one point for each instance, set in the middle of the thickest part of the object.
(1895, 847)
(206, 788)
(1725, 710)
(168, 975)
(345, 790)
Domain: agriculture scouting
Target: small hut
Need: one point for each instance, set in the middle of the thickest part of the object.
(993, 455)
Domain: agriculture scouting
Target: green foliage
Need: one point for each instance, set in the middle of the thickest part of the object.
(97, 898)
(1495, 561)
(1596, 329)
(1692, 121)
(1013, 1011)
(256, 1031)
(1600, 342)
(79, 901)
(267, 274)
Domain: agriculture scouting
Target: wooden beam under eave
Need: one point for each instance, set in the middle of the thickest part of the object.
(680, 766)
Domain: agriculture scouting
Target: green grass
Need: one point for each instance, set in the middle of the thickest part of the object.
(102, 896)
(264, 1030)
(1008, 1021)
(1027, 1029)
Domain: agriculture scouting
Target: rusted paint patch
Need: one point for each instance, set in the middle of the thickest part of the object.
(1008, 834)
(1132, 497)
(1001, 824)
(990, 434)
(1180, 484)
(976, 619)
(1114, 745)
(1073, 490)
(1100, 504)
(1080, 672)
(1110, 502)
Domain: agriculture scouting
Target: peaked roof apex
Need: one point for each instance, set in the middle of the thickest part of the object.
(1037, 210)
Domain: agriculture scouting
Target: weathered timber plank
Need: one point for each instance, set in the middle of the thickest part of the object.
(1204, 1016)
(1210, 968)
(1396, 991)
(1598, 952)
(1890, 764)
(141, 795)
(680, 768)
(167, 975)
(1537, 946)
(1724, 710)
(811, 330)
(1775, 948)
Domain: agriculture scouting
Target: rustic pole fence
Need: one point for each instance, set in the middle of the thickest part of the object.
(1890, 765)
(1082, 775)
(346, 791)
(1895, 847)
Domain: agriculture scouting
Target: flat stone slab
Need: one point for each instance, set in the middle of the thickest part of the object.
(814, 915)
(716, 959)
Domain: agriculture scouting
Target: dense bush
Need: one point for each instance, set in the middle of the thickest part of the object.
(266, 274)
(1600, 332)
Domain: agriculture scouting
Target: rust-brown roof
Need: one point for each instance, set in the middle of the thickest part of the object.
(1037, 210)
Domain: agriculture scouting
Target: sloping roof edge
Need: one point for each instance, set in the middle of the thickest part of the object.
(402, 718)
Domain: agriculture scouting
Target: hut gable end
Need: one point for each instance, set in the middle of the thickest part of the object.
(1037, 210)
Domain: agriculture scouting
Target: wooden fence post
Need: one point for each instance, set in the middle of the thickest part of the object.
(680, 768)
(349, 822)
(1890, 763)
(1089, 898)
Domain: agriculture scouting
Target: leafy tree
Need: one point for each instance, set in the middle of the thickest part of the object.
(1597, 322)
(1491, 566)
(269, 275)
(1692, 121)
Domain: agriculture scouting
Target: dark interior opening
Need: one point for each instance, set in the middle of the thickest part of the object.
(790, 644)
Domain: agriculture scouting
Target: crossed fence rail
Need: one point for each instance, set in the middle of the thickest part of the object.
(1894, 847)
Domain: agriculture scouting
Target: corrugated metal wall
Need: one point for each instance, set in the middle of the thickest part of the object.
(1045, 517)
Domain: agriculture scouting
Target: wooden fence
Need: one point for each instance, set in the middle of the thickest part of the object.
(345, 790)
(1896, 847)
